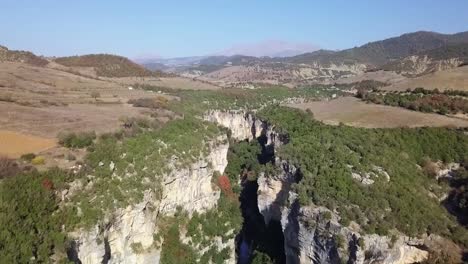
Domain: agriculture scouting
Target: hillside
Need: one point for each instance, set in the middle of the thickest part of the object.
(442, 58)
(453, 79)
(409, 55)
(107, 65)
(381, 52)
(7, 55)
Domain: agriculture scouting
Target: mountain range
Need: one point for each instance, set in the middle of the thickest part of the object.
(411, 54)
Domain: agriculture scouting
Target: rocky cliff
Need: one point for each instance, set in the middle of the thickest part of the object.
(128, 235)
(312, 234)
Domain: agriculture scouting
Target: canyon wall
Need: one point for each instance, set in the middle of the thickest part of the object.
(127, 236)
(312, 234)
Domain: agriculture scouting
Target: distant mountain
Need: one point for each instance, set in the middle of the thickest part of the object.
(384, 51)
(107, 65)
(172, 62)
(269, 48)
(411, 54)
(193, 66)
(155, 66)
(21, 56)
(231, 60)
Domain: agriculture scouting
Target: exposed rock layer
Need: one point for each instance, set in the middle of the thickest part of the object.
(115, 239)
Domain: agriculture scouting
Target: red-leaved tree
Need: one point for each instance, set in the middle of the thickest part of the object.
(225, 185)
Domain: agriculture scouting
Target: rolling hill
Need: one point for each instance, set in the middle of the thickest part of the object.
(7, 55)
(408, 55)
(443, 58)
(382, 52)
(107, 65)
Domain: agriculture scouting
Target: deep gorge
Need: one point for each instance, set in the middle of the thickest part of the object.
(257, 237)
(271, 225)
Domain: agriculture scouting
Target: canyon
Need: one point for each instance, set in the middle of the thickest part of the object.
(309, 235)
(273, 217)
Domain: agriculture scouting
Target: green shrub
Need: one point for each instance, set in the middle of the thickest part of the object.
(71, 157)
(137, 248)
(327, 156)
(28, 157)
(8, 167)
(29, 220)
(77, 140)
(39, 160)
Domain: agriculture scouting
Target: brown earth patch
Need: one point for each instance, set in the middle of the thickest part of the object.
(351, 111)
(13, 144)
(454, 79)
(49, 121)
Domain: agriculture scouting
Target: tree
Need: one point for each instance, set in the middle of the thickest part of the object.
(95, 95)
(225, 185)
(30, 229)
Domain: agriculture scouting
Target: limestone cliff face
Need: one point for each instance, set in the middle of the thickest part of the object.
(191, 188)
(245, 126)
(127, 236)
(310, 236)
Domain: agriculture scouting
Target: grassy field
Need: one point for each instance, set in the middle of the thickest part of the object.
(352, 111)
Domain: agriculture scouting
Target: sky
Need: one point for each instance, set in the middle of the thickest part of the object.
(175, 28)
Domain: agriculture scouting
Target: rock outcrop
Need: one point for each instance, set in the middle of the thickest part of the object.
(191, 188)
(127, 236)
(245, 126)
(414, 66)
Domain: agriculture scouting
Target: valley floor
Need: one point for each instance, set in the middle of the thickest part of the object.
(352, 111)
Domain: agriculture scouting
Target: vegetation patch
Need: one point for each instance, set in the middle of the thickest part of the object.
(38, 160)
(328, 155)
(197, 102)
(77, 140)
(8, 167)
(30, 225)
(123, 168)
(419, 99)
(107, 65)
(222, 222)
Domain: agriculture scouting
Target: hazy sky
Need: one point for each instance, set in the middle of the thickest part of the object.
(183, 28)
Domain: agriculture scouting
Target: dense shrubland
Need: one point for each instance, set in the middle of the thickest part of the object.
(458, 197)
(243, 160)
(107, 65)
(197, 102)
(328, 155)
(431, 101)
(29, 218)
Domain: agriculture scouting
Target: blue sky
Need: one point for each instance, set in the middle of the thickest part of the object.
(184, 28)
